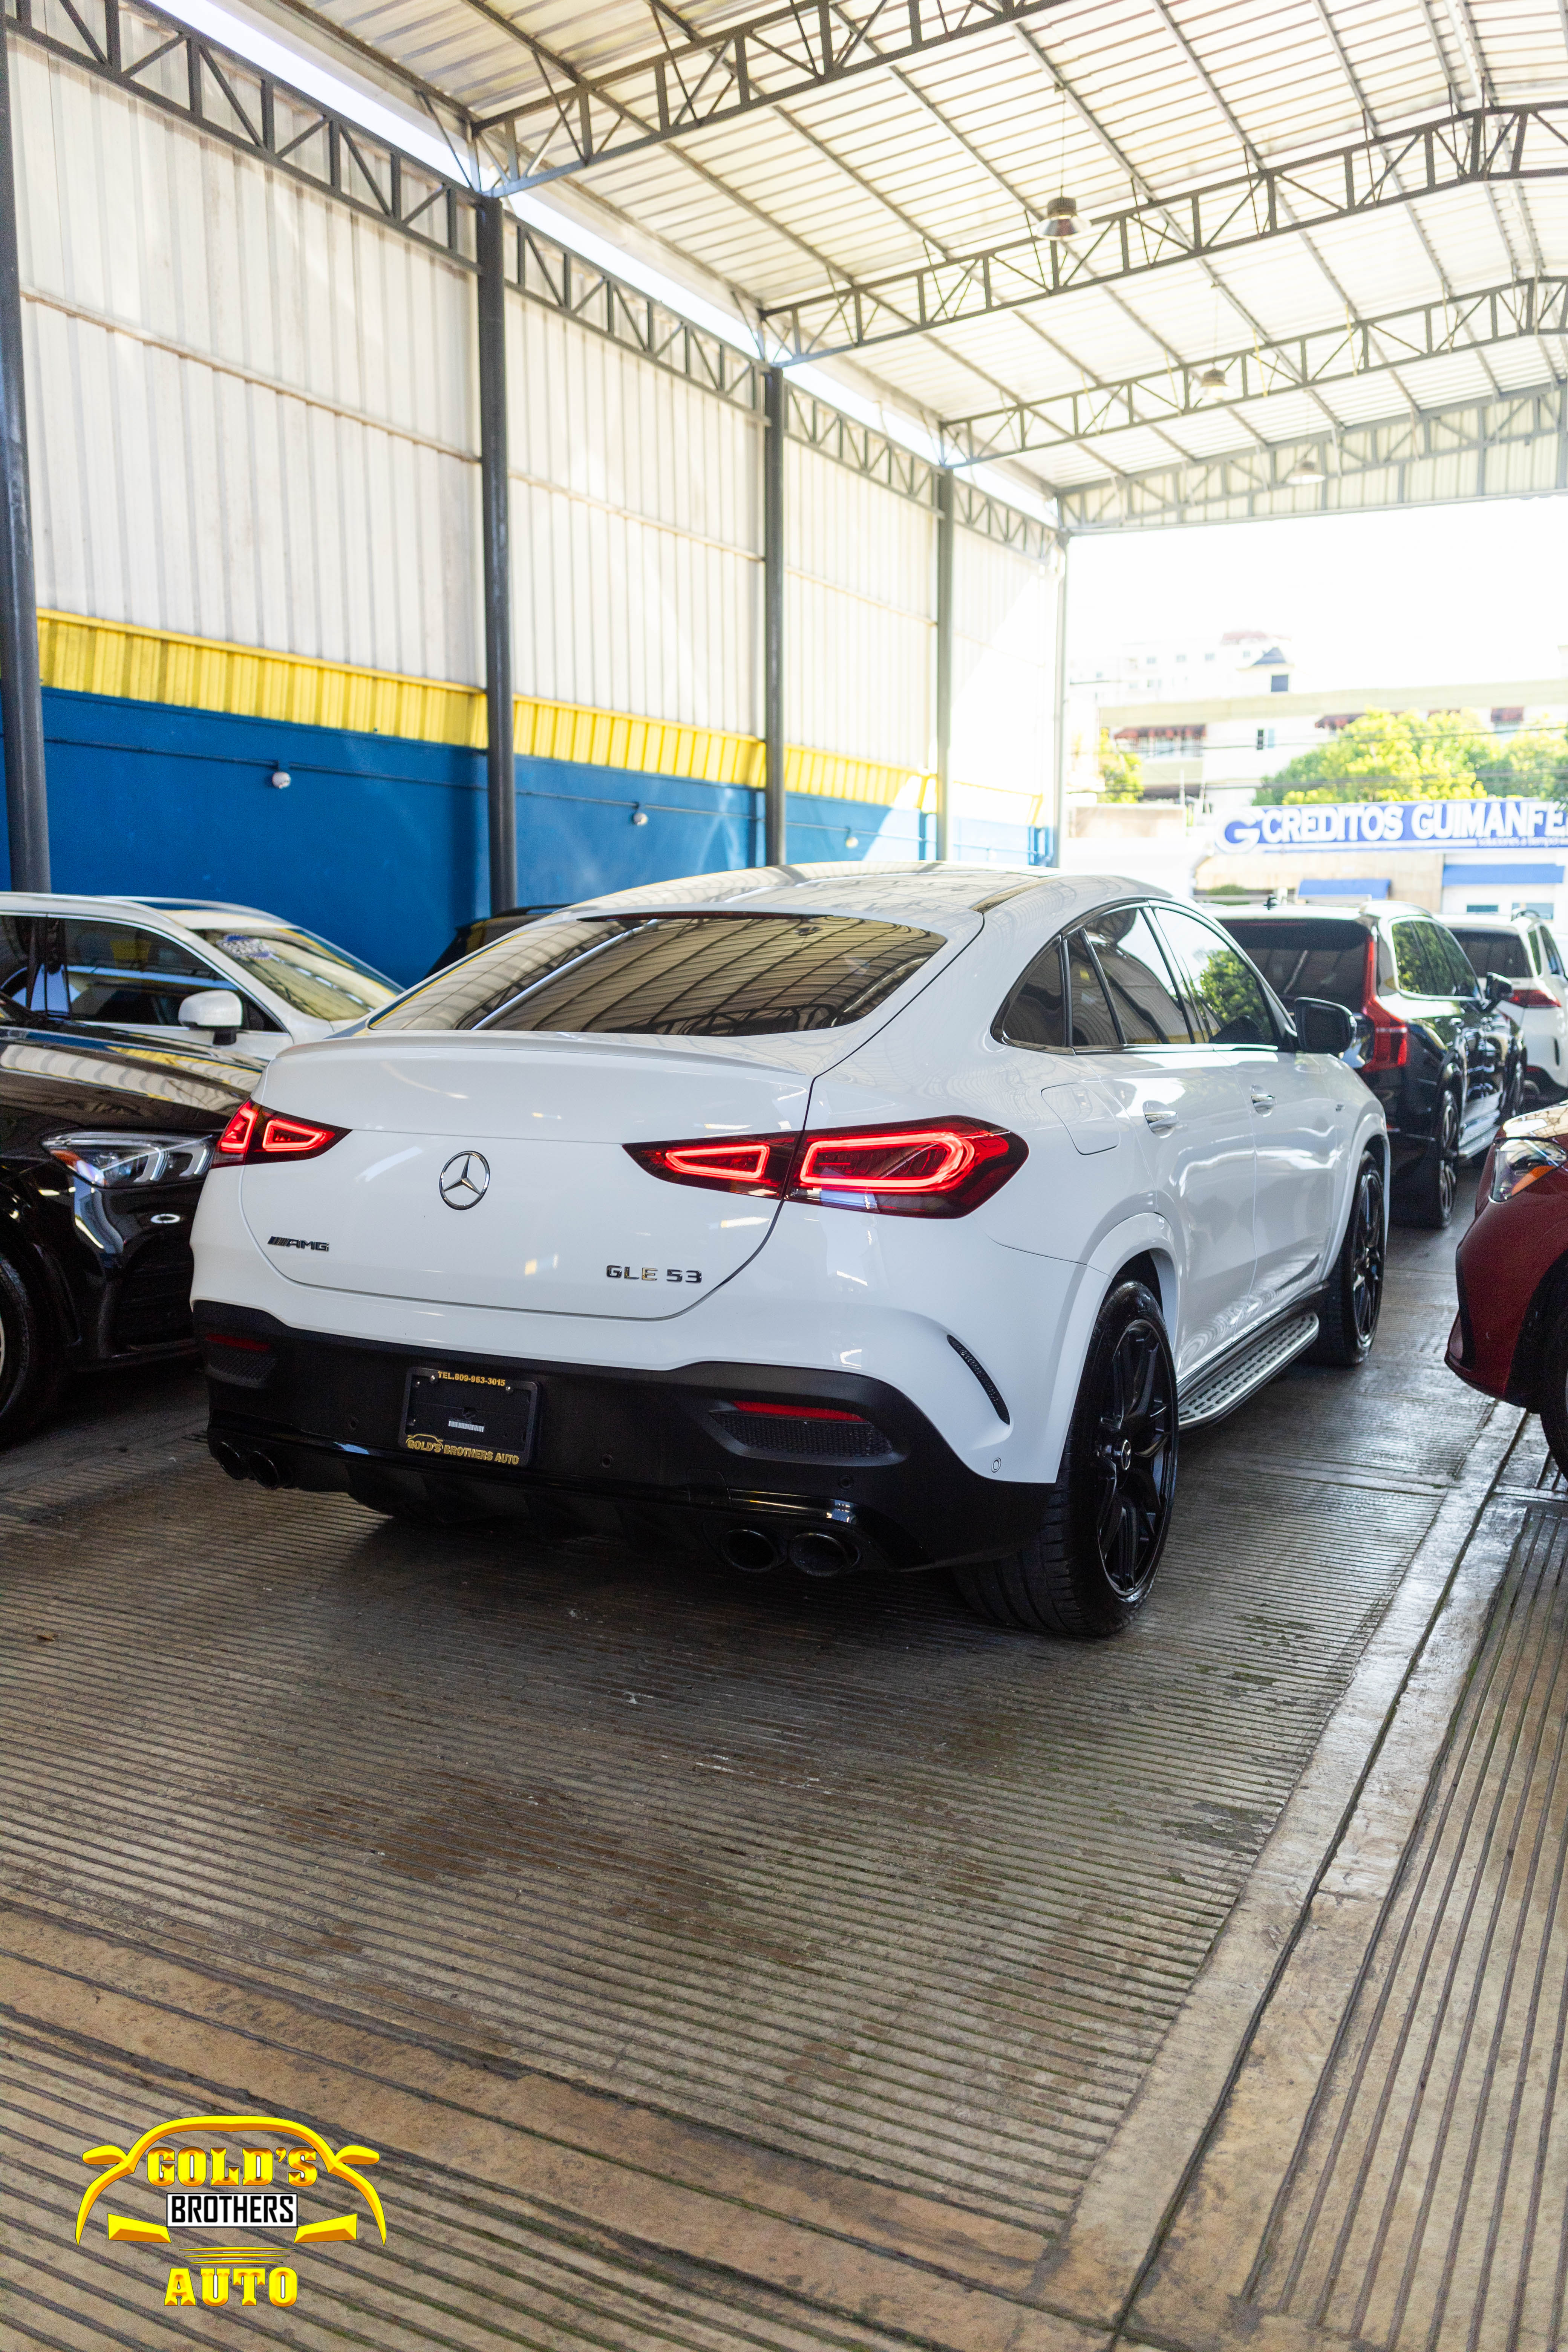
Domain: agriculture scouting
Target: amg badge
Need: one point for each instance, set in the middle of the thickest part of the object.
(288, 1241)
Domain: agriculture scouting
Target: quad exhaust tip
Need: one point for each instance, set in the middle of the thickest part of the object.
(821, 1551)
(246, 1462)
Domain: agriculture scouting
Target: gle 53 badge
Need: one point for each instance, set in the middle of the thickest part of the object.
(227, 2196)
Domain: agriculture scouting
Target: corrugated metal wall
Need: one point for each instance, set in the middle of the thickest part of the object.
(1003, 654)
(253, 419)
(637, 532)
(859, 598)
(248, 406)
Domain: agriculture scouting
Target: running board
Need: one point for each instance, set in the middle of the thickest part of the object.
(1217, 1392)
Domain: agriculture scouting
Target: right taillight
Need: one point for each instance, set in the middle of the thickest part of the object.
(1532, 1000)
(918, 1168)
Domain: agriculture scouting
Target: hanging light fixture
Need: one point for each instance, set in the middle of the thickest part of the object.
(1306, 471)
(1061, 217)
(1214, 380)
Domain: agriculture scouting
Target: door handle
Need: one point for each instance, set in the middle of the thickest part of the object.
(1161, 1117)
(1261, 1100)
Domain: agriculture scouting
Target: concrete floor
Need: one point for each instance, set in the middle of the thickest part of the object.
(722, 1960)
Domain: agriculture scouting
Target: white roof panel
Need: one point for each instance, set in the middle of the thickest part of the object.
(960, 148)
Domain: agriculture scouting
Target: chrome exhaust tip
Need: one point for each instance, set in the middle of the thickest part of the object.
(230, 1458)
(750, 1549)
(823, 1553)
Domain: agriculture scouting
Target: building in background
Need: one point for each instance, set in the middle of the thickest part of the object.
(1217, 749)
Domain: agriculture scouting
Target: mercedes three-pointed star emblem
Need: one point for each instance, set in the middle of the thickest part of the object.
(465, 1180)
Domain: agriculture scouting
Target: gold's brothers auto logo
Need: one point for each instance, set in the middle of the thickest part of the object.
(226, 2193)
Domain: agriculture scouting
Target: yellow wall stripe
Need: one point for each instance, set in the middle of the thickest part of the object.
(142, 665)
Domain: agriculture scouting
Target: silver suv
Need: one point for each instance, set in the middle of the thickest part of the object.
(195, 970)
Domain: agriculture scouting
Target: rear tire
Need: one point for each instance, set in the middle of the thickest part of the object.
(32, 1364)
(1088, 1569)
(1429, 1201)
(1552, 1391)
(1347, 1320)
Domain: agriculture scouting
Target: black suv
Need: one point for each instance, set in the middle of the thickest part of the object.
(104, 1142)
(1446, 1062)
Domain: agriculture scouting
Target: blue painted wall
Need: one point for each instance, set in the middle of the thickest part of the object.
(379, 843)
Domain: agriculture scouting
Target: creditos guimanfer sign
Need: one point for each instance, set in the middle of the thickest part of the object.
(1399, 824)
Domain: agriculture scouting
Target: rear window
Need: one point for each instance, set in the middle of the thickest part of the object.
(1327, 959)
(716, 975)
(1494, 952)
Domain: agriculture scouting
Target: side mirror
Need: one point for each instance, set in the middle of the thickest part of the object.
(1321, 1027)
(1496, 988)
(218, 1009)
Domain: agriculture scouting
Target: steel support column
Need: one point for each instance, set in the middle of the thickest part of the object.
(1060, 714)
(775, 396)
(945, 533)
(21, 696)
(500, 762)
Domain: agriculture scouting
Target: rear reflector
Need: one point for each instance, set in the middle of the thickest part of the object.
(795, 1411)
(253, 1134)
(810, 1433)
(919, 1168)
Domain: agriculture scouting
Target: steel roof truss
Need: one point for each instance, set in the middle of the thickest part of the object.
(1475, 149)
(1246, 484)
(1359, 347)
(783, 53)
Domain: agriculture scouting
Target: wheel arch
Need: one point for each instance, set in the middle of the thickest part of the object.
(1157, 1268)
(1549, 1299)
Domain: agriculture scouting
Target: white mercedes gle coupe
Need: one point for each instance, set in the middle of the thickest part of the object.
(886, 1218)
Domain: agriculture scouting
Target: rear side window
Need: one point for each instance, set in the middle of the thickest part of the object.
(1093, 1024)
(1137, 978)
(1494, 952)
(1223, 993)
(1421, 969)
(716, 975)
(1553, 960)
(1036, 1012)
(1326, 960)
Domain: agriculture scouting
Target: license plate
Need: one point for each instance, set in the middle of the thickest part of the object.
(470, 1417)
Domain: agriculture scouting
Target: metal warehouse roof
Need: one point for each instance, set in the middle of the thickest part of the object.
(1356, 210)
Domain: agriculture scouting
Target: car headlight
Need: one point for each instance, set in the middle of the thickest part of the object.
(129, 1159)
(1521, 1159)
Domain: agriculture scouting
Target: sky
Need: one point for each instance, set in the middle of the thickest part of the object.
(1436, 594)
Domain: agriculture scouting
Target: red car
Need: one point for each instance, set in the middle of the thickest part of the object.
(1511, 1335)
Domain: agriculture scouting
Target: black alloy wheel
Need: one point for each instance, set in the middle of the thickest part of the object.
(1353, 1296)
(32, 1365)
(1136, 1458)
(1433, 1188)
(1088, 1569)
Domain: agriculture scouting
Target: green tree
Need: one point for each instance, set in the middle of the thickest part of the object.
(1120, 770)
(1533, 765)
(1390, 755)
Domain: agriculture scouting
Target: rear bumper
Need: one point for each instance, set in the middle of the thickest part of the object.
(620, 1452)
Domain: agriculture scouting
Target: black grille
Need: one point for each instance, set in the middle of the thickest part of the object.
(154, 1304)
(790, 1438)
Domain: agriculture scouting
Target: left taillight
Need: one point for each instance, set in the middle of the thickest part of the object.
(919, 1168)
(256, 1134)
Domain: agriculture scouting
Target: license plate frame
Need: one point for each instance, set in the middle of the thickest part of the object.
(487, 1420)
